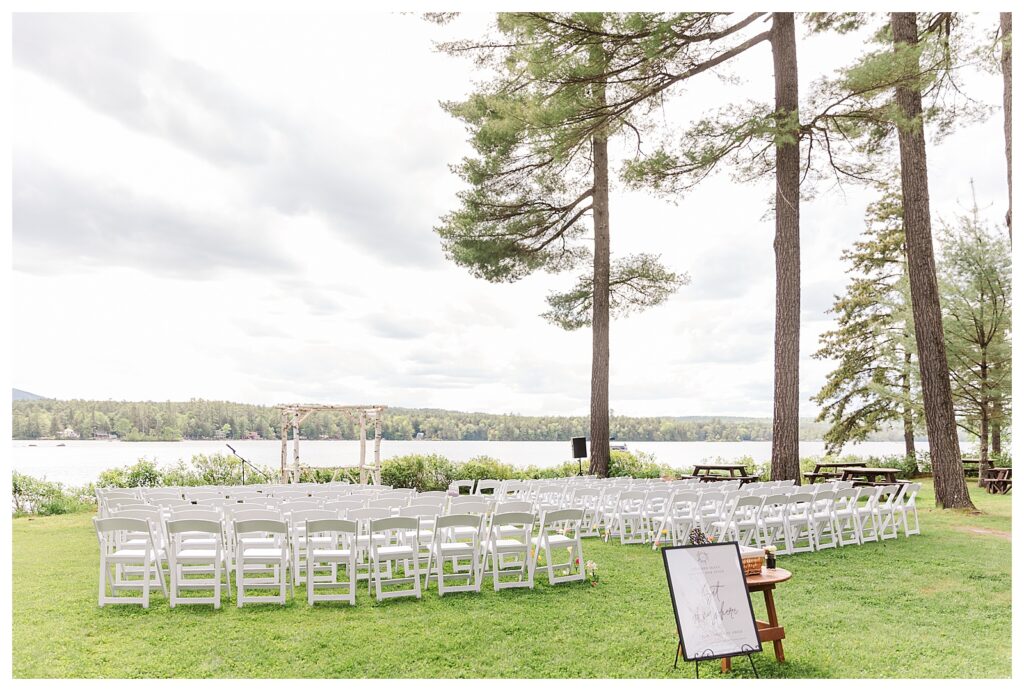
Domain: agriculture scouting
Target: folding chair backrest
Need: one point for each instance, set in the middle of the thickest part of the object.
(458, 520)
(521, 506)
(420, 511)
(256, 514)
(345, 505)
(487, 486)
(480, 507)
(459, 485)
(201, 513)
(110, 525)
(388, 503)
(513, 518)
(332, 525)
(260, 525)
(193, 525)
(298, 518)
(564, 520)
(420, 500)
(394, 523)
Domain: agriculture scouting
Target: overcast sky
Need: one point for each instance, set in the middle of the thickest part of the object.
(241, 207)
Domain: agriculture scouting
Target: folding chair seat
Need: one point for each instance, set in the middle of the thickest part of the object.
(905, 507)
(114, 557)
(272, 559)
(743, 521)
(508, 549)
(210, 558)
(560, 530)
(395, 542)
(332, 549)
(462, 548)
(392, 504)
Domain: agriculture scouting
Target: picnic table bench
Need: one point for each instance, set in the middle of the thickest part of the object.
(821, 470)
(998, 480)
(710, 473)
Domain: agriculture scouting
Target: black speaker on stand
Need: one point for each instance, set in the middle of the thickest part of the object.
(579, 450)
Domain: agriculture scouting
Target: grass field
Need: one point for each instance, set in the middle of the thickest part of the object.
(933, 605)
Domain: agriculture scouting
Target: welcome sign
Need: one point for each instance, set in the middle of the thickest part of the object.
(712, 606)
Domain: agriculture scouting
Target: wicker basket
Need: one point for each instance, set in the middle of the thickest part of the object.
(752, 565)
(752, 560)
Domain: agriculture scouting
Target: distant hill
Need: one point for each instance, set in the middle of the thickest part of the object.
(19, 395)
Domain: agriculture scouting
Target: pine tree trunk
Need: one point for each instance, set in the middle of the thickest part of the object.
(599, 441)
(950, 484)
(786, 413)
(1006, 31)
(983, 436)
(997, 427)
(908, 411)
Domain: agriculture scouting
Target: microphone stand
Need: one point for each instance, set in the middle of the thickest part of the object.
(245, 463)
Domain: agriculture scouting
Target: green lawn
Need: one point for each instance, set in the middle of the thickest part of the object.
(934, 605)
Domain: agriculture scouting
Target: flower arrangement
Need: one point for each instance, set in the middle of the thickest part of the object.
(769, 556)
(591, 571)
(698, 537)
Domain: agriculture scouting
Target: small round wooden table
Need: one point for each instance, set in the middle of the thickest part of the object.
(769, 630)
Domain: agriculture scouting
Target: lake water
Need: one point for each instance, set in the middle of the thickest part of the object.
(79, 462)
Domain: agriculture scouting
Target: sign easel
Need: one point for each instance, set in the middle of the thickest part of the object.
(714, 615)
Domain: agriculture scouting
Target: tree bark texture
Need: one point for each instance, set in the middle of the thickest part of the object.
(1006, 32)
(786, 412)
(599, 434)
(950, 485)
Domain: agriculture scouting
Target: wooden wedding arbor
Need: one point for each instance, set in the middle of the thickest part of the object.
(292, 416)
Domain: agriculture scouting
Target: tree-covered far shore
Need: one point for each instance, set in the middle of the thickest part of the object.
(201, 419)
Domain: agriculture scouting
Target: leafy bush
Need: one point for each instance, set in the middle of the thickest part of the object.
(635, 464)
(424, 472)
(31, 495)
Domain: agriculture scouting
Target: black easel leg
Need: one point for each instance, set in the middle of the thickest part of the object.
(675, 664)
(751, 658)
(696, 668)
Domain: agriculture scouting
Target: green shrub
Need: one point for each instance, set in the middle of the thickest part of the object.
(31, 495)
(424, 472)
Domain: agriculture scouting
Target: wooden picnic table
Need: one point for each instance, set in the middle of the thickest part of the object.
(999, 480)
(735, 471)
(870, 476)
(971, 464)
(821, 470)
(771, 630)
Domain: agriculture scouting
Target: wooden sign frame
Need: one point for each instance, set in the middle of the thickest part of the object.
(730, 579)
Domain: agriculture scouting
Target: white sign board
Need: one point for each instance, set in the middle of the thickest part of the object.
(711, 602)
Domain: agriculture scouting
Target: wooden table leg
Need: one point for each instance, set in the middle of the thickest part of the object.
(773, 621)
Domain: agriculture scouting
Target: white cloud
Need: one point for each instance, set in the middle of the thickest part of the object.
(241, 207)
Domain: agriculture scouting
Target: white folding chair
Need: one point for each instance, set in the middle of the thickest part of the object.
(332, 547)
(210, 558)
(823, 520)
(866, 513)
(114, 556)
(449, 544)
(300, 542)
(905, 507)
(395, 541)
(627, 521)
(886, 512)
(508, 548)
(261, 558)
(844, 516)
(560, 530)
(457, 486)
(678, 520)
(800, 523)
